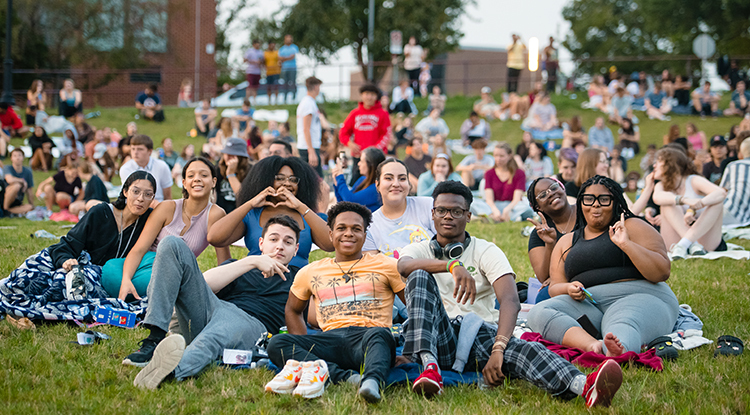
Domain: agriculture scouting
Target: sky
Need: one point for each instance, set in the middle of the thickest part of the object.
(488, 23)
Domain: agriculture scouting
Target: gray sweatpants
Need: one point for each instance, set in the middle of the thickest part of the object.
(634, 311)
(208, 324)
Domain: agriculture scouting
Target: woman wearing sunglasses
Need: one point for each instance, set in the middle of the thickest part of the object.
(189, 218)
(557, 217)
(276, 186)
(611, 269)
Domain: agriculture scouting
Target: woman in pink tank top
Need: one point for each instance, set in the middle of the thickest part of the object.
(189, 218)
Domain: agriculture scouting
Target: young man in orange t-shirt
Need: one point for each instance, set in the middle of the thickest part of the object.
(353, 295)
(273, 71)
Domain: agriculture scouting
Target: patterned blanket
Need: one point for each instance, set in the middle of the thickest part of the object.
(37, 290)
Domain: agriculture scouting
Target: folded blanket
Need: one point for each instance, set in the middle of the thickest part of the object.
(591, 359)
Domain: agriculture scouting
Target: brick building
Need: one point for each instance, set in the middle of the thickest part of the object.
(187, 52)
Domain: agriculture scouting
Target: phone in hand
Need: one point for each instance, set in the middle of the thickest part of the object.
(342, 159)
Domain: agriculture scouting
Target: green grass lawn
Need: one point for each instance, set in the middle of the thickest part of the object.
(43, 372)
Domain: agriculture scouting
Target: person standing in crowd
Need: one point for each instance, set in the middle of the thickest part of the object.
(473, 167)
(516, 51)
(148, 102)
(417, 161)
(414, 56)
(551, 63)
(273, 69)
(254, 59)
(19, 182)
(368, 125)
(71, 100)
(309, 133)
(288, 58)
(140, 151)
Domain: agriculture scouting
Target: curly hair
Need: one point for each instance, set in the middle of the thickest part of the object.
(676, 166)
(342, 207)
(262, 176)
(531, 194)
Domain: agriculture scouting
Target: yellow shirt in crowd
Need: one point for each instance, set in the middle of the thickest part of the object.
(272, 62)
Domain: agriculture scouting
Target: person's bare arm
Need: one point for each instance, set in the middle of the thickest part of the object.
(465, 287)
(558, 282)
(507, 297)
(644, 246)
(219, 277)
(295, 321)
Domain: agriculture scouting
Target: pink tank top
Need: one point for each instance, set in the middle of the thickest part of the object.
(696, 141)
(196, 236)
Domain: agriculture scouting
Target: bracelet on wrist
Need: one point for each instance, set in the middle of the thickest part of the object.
(306, 212)
(231, 175)
(453, 264)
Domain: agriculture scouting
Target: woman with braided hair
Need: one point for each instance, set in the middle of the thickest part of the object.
(611, 269)
(557, 217)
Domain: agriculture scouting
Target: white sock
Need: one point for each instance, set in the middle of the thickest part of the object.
(428, 359)
(685, 243)
(576, 386)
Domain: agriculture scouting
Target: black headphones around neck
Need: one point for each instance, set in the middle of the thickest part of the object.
(451, 251)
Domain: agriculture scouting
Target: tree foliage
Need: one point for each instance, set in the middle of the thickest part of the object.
(643, 28)
(322, 27)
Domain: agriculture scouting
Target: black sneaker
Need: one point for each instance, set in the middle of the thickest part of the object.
(143, 355)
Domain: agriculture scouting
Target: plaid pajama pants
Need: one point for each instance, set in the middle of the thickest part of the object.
(429, 329)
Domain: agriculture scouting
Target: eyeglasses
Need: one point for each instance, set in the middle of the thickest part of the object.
(282, 178)
(588, 200)
(147, 194)
(544, 194)
(456, 213)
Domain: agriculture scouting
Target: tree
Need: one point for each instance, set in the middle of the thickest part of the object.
(322, 27)
(643, 28)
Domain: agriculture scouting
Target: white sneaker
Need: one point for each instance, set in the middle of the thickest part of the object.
(516, 117)
(285, 382)
(167, 356)
(697, 249)
(677, 252)
(312, 384)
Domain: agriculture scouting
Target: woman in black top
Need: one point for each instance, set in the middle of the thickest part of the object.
(556, 218)
(107, 231)
(622, 262)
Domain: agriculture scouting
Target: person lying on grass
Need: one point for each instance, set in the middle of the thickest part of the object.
(227, 307)
(454, 277)
(353, 295)
(622, 262)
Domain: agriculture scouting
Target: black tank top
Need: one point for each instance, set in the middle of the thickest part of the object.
(598, 261)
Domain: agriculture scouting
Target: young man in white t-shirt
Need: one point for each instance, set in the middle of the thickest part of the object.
(140, 151)
(309, 132)
(453, 280)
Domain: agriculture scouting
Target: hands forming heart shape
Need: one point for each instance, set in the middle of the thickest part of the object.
(280, 197)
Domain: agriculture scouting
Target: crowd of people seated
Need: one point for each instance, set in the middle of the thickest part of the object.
(396, 231)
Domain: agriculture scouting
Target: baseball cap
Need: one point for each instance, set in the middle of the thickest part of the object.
(718, 140)
(99, 150)
(486, 90)
(235, 147)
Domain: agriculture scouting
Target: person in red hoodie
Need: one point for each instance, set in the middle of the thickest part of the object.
(368, 125)
(11, 127)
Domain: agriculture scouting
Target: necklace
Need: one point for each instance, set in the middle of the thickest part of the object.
(348, 275)
(567, 224)
(119, 239)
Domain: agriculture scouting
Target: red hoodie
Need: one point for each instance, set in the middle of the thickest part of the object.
(370, 127)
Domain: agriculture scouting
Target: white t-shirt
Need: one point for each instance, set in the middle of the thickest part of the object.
(414, 60)
(487, 160)
(485, 263)
(158, 168)
(308, 106)
(415, 225)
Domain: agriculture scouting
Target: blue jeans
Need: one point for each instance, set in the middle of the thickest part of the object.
(289, 76)
(209, 324)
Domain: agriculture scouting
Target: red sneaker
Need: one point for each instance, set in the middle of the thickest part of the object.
(429, 383)
(602, 384)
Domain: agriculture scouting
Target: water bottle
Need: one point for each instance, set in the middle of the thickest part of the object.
(41, 233)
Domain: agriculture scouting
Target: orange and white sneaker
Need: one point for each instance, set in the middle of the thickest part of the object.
(285, 382)
(313, 381)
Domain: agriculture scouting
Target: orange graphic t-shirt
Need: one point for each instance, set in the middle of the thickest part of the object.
(361, 297)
